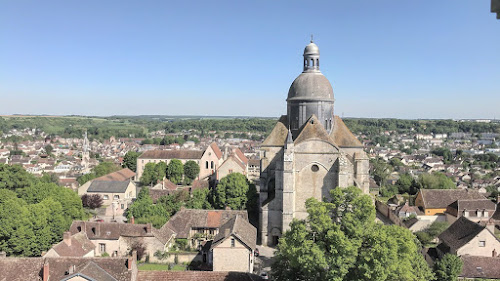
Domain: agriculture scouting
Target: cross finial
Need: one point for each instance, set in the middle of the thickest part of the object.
(312, 38)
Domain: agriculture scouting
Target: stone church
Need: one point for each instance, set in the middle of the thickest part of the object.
(309, 151)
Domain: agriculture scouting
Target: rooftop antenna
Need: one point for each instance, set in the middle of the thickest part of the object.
(312, 38)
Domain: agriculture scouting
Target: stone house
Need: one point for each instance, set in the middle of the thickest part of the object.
(465, 237)
(117, 239)
(229, 166)
(199, 226)
(480, 210)
(233, 247)
(435, 201)
(208, 159)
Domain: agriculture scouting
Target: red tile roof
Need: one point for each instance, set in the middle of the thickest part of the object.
(216, 150)
(121, 175)
(195, 276)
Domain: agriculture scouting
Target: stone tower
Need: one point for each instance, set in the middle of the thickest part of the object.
(309, 152)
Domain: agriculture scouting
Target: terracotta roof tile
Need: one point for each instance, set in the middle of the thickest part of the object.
(172, 154)
(216, 150)
(481, 267)
(20, 269)
(194, 276)
(80, 246)
(121, 175)
(441, 198)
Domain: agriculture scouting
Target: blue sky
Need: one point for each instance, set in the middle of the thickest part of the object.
(398, 58)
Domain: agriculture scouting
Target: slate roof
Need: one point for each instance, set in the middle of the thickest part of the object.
(80, 246)
(480, 267)
(185, 219)
(195, 276)
(239, 228)
(496, 215)
(20, 269)
(108, 186)
(441, 198)
(481, 204)
(342, 136)
(121, 175)
(172, 154)
(277, 137)
(313, 129)
(460, 233)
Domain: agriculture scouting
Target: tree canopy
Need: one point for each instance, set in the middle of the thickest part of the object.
(130, 160)
(175, 170)
(341, 241)
(231, 191)
(191, 171)
(34, 212)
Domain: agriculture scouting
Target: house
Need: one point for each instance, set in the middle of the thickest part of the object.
(116, 239)
(406, 211)
(484, 268)
(465, 237)
(77, 245)
(233, 247)
(68, 269)
(197, 226)
(475, 210)
(231, 165)
(208, 159)
(435, 201)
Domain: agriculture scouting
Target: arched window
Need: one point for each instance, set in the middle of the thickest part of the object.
(206, 164)
(211, 164)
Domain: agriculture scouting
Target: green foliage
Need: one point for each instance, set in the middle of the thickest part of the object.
(34, 212)
(199, 199)
(448, 268)
(231, 191)
(341, 241)
(144, 211)
(48, 149)
(445, 153)
(100, 170)
(191, 170)
(435, 180)
(130, 160)
(149, 175)
(14, 176)
(175, 170)
(406, 184)
(380, 170)
(427, 235)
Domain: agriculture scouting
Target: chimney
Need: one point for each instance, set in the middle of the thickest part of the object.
(227, 208)
(148, 228)
(98, 233)
(132, 220)
(46, 271)
(67, 238)
(132, 261)
(71, 269)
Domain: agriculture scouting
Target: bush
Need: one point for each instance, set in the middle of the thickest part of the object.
(104, 254)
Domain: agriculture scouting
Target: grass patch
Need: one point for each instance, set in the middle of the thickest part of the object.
(160, 266)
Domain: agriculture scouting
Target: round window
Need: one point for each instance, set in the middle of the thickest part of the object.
(314, 168)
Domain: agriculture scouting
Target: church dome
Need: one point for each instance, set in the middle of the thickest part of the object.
(311, 49)
(311, 86)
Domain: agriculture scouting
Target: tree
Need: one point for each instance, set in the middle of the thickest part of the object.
(448, 268)
(14, 176)
(231, 191)
(48, 149)
(435, 180)
(406, 184)
(91, 201)
(130, 160)
(199, 199)
(144, 211)
(149, 175)
(191, 170)
(341, 241)
(380, 171)
(175, 170)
